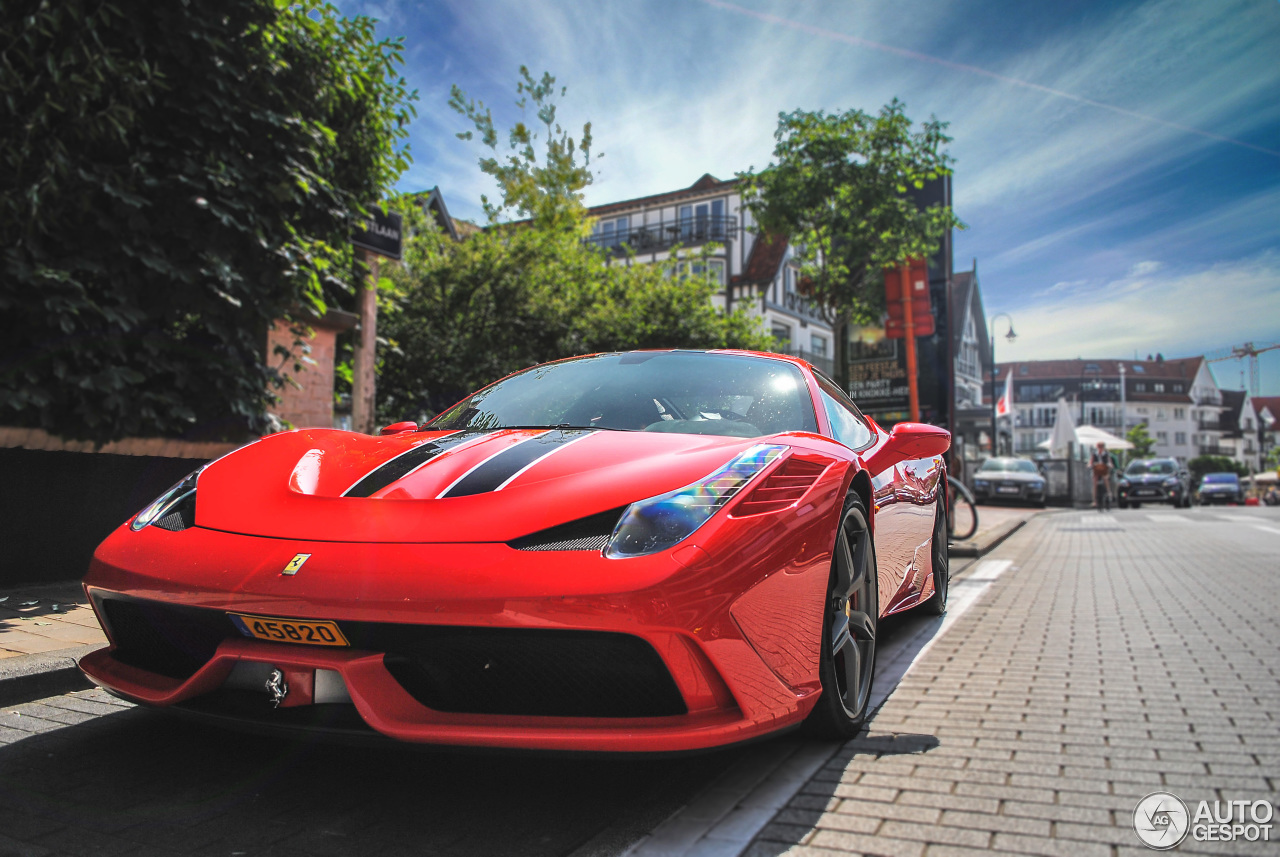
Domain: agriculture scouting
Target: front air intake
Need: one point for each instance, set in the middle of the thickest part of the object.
(781, 488)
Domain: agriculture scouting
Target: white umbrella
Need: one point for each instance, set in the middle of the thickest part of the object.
(1064, 432)
(1088, 436)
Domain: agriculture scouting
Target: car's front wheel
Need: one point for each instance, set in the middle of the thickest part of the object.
(848, 657)
(941, 561)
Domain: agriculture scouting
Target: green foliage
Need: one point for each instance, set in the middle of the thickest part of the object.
(547, 190)
(840, 187)
(1144, 445)
(174, 177)
(1203, 464)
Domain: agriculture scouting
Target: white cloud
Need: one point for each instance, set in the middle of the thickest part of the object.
(1177, 313)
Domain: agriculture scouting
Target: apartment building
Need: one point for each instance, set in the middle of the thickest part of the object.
(754, 272)
(1178, 400)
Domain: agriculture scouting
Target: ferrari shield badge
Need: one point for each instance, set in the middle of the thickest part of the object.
(296, 563)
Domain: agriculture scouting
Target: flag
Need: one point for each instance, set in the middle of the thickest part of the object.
(1004, 407)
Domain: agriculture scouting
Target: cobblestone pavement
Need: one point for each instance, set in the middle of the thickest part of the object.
(87, 774)
(1118, 655)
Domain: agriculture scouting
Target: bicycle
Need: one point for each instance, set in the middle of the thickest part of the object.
(962, 511)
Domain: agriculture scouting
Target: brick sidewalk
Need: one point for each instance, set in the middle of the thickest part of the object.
(44, 619)
(1120, 655)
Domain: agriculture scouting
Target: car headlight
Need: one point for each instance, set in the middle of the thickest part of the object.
(661, 522)
(1171, 482)
(163, 504)
(1037, 484)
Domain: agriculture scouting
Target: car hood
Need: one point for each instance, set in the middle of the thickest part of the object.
(330, 485)
(1148, 479)
(1009, 476)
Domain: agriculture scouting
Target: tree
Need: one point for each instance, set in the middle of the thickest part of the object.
(840, 189)
(1144, 445)
(462, 315)
(176, 177)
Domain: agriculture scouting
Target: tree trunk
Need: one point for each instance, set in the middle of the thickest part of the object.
(841, 331)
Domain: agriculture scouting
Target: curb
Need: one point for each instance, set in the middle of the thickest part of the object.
(989, 543)
(31, 677)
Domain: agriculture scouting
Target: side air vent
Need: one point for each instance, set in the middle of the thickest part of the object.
(781, 488)
(585, 534)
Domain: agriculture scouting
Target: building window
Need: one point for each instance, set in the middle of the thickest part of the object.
(712, 269)
(613, 231)
(1179, 413)
(1140, 386)
(1180, 438)
(818, 344)
(1159, 387)
(782, 333)
(1162, 414)
(1162, 438)
(703, 221)
(1177, 388)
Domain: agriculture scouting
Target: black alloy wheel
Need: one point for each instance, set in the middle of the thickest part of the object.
(941, 556)
(848, 660)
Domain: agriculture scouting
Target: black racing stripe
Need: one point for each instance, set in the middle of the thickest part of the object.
(497, 470)
(398, 467)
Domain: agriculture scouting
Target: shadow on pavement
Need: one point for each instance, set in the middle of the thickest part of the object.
(140, 778)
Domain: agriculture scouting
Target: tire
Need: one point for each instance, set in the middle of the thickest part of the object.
(847, 663)
(941, 561)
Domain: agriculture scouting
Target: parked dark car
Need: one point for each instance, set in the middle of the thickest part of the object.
(1014, 479)
(1221, 488)
(1154, 480)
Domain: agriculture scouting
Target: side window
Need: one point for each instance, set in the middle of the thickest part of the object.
(842, 413)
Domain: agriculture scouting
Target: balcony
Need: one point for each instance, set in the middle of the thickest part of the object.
(1209, 424)
(654, 238)
(797, 305)
(1213, 449)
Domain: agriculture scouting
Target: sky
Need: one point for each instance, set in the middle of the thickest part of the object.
(1117, 163)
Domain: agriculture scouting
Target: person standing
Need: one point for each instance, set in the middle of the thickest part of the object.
(1100, 464)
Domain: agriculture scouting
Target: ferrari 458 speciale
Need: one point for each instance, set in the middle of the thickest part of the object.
(646, 551)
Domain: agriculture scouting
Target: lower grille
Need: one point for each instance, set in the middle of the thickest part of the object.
(525, 672)
(163, 638)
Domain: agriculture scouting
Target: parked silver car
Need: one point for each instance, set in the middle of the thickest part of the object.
(1221, 488)
(1014, 479)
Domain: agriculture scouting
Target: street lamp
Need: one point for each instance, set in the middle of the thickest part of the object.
(1011, 336)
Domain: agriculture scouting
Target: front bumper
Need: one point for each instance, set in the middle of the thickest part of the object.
(1150, 494)
(1017, 492)
(734, 626)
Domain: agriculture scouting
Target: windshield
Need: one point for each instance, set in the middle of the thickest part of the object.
(1220, 477)
(1155, 468)
(686, 392)
(1007, 465)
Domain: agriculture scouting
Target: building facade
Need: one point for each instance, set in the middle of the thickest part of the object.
(754, 272)
(1177, 400)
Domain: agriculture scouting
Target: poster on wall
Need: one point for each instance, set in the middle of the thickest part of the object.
(878, 374)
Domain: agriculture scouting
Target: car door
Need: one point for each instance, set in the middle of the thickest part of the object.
(903, 524)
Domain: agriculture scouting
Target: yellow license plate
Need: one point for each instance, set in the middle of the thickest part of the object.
(304, 631)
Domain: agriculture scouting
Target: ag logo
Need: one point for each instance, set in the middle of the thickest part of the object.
(1161, 821)
(296, 563)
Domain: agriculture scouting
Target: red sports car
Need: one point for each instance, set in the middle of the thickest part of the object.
(649, 551)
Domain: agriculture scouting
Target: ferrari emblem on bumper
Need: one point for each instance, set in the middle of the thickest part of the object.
(296, 563)
(277, 687)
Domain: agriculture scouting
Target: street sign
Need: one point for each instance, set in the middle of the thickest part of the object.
(921, 305)
(379, 234)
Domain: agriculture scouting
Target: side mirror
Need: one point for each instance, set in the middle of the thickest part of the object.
(909, 440)
(398, 428)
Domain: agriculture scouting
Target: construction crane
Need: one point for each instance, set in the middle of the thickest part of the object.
(1239, 352)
